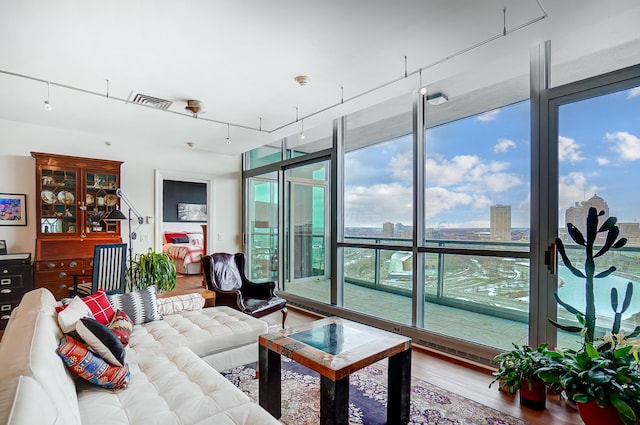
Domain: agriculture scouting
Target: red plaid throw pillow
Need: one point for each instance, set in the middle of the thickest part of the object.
(100, 306)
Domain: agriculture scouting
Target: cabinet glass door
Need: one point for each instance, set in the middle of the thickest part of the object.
(99, 199)
(58, 201)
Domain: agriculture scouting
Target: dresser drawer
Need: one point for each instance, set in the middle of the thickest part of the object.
(59, 289)
(16, 277)
(5, 312)
(62, 264)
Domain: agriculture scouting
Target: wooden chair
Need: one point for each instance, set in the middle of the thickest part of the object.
(225, 276)
(109, 271)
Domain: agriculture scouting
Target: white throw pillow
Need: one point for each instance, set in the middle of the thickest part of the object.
(75, 311)
(178, 303)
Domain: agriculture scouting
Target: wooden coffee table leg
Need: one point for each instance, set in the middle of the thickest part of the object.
(334, 401)
(269, 381)
(399, 388)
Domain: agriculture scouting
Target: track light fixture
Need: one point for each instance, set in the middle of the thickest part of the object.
(47, 105)
(228, 133)
(302, 136)
(422, 90)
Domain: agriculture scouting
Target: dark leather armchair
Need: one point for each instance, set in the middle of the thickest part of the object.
(225, 276)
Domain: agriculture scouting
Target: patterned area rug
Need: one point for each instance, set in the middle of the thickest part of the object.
(367, 398)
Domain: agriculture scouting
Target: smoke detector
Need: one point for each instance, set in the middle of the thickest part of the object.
(194, 106)
(301, 79)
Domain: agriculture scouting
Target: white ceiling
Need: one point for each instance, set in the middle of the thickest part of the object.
(240, 57)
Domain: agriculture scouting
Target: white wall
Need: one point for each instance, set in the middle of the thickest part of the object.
(17, 175)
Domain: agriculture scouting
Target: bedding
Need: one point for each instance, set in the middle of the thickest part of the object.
(185, 255)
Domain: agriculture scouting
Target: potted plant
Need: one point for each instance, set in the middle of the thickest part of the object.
(152, 268)
(518, 370)
(605, 370)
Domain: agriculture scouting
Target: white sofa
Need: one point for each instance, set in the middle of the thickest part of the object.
(170, 382)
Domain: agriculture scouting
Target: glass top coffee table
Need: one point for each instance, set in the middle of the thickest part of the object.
(335, 348)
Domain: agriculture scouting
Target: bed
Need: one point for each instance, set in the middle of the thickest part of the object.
(186, 250)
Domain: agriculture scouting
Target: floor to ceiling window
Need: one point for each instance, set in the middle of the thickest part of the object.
(307, 229)
(262, 235)
(598, 153)
(477, 188)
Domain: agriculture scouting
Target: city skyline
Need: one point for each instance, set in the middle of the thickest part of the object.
(484, 160)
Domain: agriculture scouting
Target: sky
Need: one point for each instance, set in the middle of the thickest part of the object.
(484, 160)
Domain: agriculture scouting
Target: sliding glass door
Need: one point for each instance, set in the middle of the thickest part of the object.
(262, 235)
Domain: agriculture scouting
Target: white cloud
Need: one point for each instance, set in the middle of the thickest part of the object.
(574, 187)
(602, 160)
(633, 92)
(489, 116)
(568, 150)
(372, 206)
(402, 166)
(503, 145)
(439, 199)
(626, 144)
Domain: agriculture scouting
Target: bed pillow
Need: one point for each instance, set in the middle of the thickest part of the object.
(100, 306)
(178, 303)
(90, 366)
(73, 312)
(169, 236)
(101, 340)
(121, 326)
(196, 238)
(180, 239)
(141, 306)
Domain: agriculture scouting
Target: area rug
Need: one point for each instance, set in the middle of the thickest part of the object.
(367, 398)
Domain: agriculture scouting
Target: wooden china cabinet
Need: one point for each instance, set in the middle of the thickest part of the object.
(73, 197)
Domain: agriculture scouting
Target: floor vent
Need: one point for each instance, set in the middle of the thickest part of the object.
(153, 102)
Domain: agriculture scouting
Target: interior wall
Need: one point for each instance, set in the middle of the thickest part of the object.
(137, 172)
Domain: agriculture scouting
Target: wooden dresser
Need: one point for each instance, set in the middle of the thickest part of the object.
(16, 278)
(74, 196)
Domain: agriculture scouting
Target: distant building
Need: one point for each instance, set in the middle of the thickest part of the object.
(500, 223)
(577, 214)
(631, 231)
(387, 230)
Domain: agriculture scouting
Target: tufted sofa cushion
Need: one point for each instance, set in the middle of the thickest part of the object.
(171, 387)
(206, 332)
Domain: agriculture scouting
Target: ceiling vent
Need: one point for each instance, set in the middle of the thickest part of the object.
(150, 101)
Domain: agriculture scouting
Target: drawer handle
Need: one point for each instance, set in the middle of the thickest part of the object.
(5, 317)
(5, 271)
(5, 281)
(5, 291)
(51, 265)
(62, 274)
(73, 264)
(6, 307)
(62, 287)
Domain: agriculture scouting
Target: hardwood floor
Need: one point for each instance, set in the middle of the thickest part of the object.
(460, 377)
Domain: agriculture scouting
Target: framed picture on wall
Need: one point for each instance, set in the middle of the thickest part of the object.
(192, 212)
(13, 209)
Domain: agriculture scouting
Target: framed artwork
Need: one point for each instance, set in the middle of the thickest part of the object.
(13, 209)
(192, 212)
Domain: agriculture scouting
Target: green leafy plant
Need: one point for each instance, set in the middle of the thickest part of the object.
(152, 268)
(607, 376)
(520, 363)
(587, 319)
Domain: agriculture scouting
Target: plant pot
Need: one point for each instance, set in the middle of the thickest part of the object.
(533, 394)
(592, 414)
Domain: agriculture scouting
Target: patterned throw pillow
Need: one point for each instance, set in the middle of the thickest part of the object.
(91, 367)
(100, 306)
(73, 312)
(121, 326)
(101, 340)
(141, 306)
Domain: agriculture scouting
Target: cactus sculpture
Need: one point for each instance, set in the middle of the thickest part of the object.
(587, 319)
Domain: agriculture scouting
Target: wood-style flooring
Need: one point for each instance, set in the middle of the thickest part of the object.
(468, 380)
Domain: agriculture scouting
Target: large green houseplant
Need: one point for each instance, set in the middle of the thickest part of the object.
(603, 370)
(152, 268)
(518, 369)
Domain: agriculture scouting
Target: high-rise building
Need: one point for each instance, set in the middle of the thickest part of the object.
(500, 223)
(577, 214)
(387, 230)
